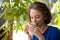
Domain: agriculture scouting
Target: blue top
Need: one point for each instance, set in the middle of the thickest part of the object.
(51, 33)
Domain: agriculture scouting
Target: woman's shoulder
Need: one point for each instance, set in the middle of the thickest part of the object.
(51, 29)
(55, 33)
(54, 29)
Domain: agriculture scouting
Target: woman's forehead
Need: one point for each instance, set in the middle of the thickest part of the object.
(35, 12)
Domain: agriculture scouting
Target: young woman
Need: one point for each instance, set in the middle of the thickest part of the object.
(39, 16)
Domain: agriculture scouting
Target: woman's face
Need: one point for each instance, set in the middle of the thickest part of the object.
(36, 16)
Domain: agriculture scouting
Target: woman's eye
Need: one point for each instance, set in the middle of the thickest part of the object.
(38, 17)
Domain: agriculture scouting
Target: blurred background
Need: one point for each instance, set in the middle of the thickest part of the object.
(13, 17)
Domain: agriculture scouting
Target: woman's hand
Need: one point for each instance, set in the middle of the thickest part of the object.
(35, 31)
(26, 31)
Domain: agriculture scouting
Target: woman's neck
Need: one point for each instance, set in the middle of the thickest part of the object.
(43, 28)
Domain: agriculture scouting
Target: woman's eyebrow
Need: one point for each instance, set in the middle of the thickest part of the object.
(38, 15)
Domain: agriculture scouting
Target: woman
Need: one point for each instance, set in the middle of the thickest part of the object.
(39, 18)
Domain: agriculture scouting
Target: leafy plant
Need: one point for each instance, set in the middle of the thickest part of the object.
(56, 12)
(15, 15)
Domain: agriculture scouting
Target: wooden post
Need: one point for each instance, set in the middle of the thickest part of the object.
(10, 32)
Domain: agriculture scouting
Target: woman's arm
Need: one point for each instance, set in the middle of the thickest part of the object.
(29, 37)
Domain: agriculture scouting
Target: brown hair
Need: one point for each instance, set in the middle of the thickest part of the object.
(41, 7)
